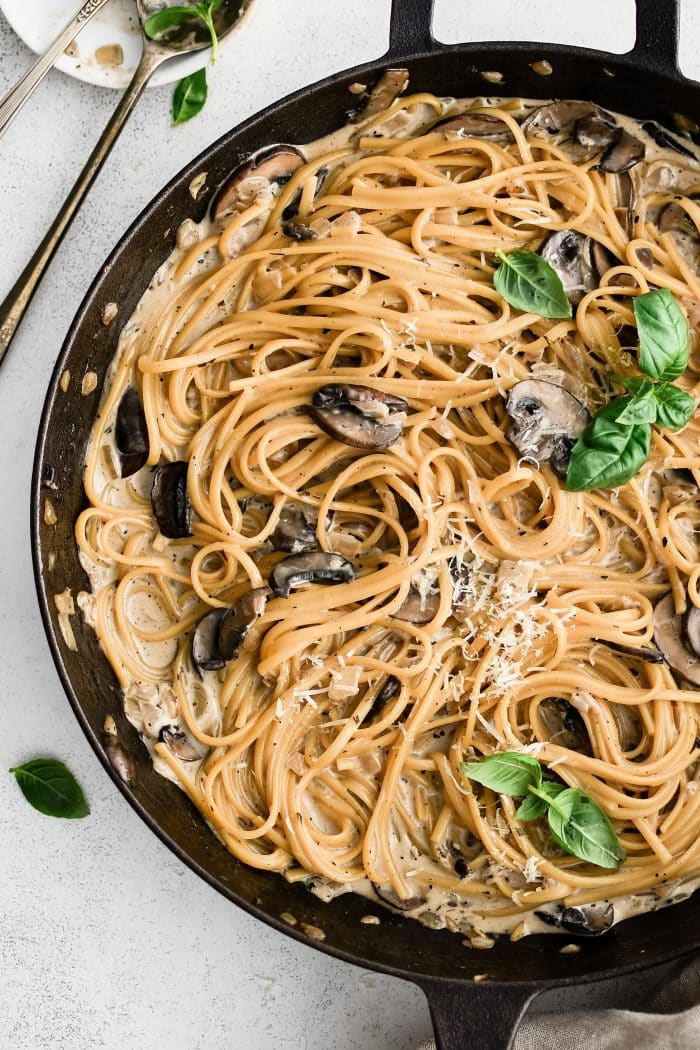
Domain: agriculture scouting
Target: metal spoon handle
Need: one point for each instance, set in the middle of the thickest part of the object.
(13, 101)
(18, 299)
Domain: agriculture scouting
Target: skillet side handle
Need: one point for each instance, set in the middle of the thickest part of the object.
(658, 29)
(410, 30)
(481, 1016)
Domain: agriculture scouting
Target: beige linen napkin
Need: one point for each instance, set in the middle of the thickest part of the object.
(670, 1021)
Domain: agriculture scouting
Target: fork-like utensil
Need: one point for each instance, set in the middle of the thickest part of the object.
(179, 40)
(13, 101)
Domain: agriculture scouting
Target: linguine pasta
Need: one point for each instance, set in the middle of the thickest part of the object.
(328, 748)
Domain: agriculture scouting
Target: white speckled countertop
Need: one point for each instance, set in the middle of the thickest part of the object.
(106, 939)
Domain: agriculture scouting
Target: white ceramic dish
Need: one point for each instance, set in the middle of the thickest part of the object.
(116, 26)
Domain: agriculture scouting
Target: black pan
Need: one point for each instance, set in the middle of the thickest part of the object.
(644, 83)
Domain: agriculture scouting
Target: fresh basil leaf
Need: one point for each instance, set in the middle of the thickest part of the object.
(167, 18)
(581, 828)
(607, 453)
(537, 802)
(51, 788)
(189, 96)
(508, 772)
(640, 408)
(663, 334)
(528, 282)
(633, 384)
(674, 407)
(205, 13)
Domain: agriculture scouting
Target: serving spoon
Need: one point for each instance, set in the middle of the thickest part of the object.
(191, 35)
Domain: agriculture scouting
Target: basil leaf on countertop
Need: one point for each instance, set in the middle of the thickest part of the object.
(581, 828)
(663, 334)
(508, 772)
(535, 806)
(189, 96)
(528, 282)
(674, 407)
(51, 788)
(607, 453)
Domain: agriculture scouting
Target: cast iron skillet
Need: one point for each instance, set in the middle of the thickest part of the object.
(644, 83)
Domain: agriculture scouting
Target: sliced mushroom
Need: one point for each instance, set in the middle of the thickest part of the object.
(623, 154)
(588, 920)
(629, 726)
(171, 504)
(297, 231)
(691, 629)
(131, 432)
(417, 608)
(568, 252)
(238, 620)
(677, 638)
(312, 567)
(385, 91)
(206, 654)
(547, 422)
(179, 742)
(276, 164)
(475, 125)
(565, 725)
(386, 894)
(642, 652)
(595, 133)
(295, 531)
(675, 220)
(390, 690)
(358, 415)
(662, 137)
(555, 116)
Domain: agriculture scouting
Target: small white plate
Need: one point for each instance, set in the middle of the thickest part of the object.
(38, 22)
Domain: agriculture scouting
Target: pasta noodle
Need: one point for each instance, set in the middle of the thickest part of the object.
(328, 748)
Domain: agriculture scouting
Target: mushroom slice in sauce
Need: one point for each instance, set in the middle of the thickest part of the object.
(565, 725)
(358, 415)
(179, 743)
(171, 504)
(588, 920)
(662, 137)
(238, 620)
(475, 125)
(295, 531)
(385, 91)
(390, 690)
(568, 252)
(119, 759)
(131, 432)
(595, 133)
(623, 154)
(555, 116)
(416, 608)
(675, 220)
(677, 638)
(206, 654)
(276, 164)
(312, 567)
(547, 421)
(386, 894)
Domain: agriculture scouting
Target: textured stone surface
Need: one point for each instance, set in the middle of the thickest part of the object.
(106, 940)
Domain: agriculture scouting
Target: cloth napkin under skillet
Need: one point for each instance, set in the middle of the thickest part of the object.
(670, 1021)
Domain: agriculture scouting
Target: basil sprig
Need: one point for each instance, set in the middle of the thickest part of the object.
(528, 282)
(51, 788)
(613, 447)
(576, 822)
(189, 96)
(191, 92)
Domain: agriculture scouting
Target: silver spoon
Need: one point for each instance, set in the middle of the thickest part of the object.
(178, 40)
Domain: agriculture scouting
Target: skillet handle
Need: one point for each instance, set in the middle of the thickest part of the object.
(410, 30)
(658, 28)
(480, 1016)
